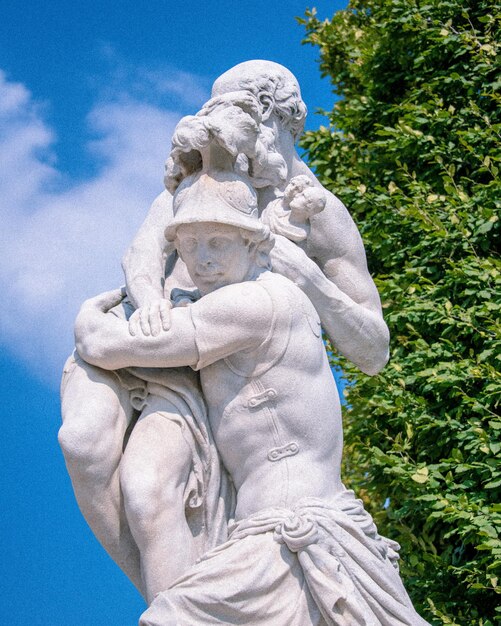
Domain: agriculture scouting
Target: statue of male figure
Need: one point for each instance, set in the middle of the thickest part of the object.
(98, 414)
(302, 550)
(332, 268)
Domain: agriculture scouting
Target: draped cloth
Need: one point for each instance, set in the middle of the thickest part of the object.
(316, 564)
(209, 493)
(176, 394)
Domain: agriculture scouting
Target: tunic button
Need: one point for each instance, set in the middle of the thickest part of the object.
(290, 449)
(264, 396)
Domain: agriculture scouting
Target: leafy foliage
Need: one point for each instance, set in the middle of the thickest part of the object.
(413, 150)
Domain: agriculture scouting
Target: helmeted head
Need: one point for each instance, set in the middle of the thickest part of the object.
(217, 231)
(217, 196)
(275, 87)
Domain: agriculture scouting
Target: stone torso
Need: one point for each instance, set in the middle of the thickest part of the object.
(275, 442)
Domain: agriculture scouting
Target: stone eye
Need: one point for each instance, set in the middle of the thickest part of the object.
(189, 245)
(217, 244)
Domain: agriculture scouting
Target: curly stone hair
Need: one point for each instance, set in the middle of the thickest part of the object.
(267, 80)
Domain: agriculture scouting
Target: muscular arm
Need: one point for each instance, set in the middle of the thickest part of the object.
(104, 340)
(144, 261)
(239, 317)
(339, 285)
(342, 291)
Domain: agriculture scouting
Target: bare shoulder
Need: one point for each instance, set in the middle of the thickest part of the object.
(246, 303)
(150, 238)
(241, 310)
(335, 244)
(235, 317)
(160, 213)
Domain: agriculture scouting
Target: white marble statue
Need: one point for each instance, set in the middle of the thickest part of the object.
(331, 269)
(219, 494)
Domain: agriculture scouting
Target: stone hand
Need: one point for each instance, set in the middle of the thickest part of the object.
(151, 318)
(93, 315)
(105, 301)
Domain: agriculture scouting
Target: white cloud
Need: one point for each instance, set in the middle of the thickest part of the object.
(159, 82)
(61, 240)
(188, 88)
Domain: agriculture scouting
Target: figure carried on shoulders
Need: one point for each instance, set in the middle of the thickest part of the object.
(202, 426)
(301, 549)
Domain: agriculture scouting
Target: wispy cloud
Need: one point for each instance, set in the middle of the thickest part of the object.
(62, 240)
(158, 83)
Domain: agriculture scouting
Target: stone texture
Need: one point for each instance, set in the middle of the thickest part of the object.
(201, 422)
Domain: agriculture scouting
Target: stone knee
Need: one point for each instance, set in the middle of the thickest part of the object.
(95, 417)
(153, 474)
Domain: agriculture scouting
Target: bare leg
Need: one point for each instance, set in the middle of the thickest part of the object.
(96, 412)
(154, 472)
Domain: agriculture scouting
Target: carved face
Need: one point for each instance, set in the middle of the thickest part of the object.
(215, 255)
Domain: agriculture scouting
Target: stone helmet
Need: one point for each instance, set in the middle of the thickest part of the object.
(216, 196)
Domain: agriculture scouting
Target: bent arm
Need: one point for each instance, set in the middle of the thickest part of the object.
(344, 292)
(233, 318)
(356, 330)
(104, 340)
(336, 280)
(144, 262)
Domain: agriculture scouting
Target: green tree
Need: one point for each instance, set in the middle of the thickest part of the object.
(413, 151)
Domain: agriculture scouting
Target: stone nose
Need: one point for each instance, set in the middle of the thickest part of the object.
(204, 256)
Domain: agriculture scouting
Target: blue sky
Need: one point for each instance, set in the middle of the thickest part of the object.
(89, 95)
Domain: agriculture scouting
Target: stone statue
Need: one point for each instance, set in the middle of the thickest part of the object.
(330, 269)
(220, 495)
